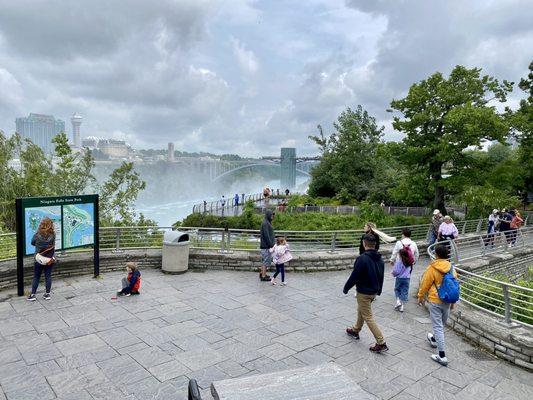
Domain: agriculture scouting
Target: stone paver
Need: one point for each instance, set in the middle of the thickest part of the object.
(218, 325)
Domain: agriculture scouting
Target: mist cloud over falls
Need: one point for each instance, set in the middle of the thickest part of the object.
(244, 76)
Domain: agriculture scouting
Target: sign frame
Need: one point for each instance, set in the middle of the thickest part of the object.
(30, 202)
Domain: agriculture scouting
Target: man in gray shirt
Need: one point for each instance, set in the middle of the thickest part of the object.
(267, 242)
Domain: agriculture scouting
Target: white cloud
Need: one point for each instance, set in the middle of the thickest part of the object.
(246, 58)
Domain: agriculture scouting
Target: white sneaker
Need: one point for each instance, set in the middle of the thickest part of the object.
(441, 360)
(401, 308)
(398, 304)
(284, 283)
(273, 281)
(431, 340)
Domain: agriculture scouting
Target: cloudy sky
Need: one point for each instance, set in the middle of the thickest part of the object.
(241, 76)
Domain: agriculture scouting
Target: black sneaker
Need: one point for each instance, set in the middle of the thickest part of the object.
(351, 332)
(47, 296)
(379, 348)
(265, 278)
(31, 297)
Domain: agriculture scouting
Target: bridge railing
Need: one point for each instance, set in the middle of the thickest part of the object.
(511, 302)
(211, 207)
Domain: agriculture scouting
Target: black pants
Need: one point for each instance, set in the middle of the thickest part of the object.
(280, 268)
(37, 271)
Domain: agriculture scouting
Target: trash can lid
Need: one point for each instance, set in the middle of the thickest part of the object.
(173, 237)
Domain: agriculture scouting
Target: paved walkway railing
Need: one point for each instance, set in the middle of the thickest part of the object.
(211, 207)
(505, 300)
(120, 238)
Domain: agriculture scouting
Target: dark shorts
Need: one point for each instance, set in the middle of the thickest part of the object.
(266, 257)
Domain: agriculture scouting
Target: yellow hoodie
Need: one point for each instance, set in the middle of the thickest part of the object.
(432, 279)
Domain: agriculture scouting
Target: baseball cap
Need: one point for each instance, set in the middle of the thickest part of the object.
(495, 211)
(435, 212)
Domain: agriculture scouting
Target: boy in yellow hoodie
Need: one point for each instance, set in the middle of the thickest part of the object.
(438, 310)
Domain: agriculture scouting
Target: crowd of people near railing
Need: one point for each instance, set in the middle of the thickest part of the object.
(507, 221)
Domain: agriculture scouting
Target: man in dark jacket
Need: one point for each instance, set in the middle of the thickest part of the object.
(367, 277)
(267, 242)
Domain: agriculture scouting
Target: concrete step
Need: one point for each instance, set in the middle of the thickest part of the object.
(319, 382)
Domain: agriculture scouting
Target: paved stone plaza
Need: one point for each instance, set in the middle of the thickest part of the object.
(220, 324)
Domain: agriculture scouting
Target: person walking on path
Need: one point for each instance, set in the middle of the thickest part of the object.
(371, 229)
(403, 266)
(434, 227)
(516, 223)
(438, 310)
(404, 242)
(236, 198)
(367, 277)
(402, 272)
(505, 224)
(492, 227)
(44, 242)
(448, 230)
(281, 256)
(266, 243)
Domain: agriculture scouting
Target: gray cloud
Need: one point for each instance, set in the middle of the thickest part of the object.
(247, 78)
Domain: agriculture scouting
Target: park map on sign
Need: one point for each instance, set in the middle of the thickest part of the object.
(78, 225)
(32, 219)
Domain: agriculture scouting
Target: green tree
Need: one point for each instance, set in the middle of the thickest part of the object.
(72, 174)
(441, 117)
(118, 195)
(348, 163)
(522, 125)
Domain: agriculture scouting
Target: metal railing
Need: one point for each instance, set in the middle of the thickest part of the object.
(210, 207)
(120, 238)
(502, 299)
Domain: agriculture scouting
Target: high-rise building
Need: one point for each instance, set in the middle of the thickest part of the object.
(40, 129)
(170, 155)
(288, 168)
(76, 122)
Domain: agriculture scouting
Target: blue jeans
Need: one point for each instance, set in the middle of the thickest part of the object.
(432, 238)
(401, 288)
(280, 268)
(37, 271)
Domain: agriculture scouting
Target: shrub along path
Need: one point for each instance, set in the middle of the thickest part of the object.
(220, 324)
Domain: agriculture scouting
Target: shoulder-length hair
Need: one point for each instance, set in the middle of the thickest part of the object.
(46, 227)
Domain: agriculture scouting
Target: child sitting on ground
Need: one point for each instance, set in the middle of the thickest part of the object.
(402, 272)
(281, 256)
(132, 283)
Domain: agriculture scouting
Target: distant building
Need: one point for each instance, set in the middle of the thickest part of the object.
(40, 129)
(170, 156)
(76, 122)
(114, 148)
(90, 142)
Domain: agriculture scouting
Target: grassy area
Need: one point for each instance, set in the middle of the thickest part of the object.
(305, 221)
(486, 295)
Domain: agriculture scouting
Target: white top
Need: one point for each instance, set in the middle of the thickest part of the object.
(399, 245)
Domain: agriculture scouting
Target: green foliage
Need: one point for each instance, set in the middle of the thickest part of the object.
(118, 196)
(481, 200)
(304, 221)
(489, 296)
(348, 165)
(441, 117)
(71, 175)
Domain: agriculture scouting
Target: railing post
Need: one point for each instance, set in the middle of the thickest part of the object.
(333, 242)
(507, 305)
(463, 231)
(454, 256)
(223, 242)
(483, 247)
(478, 229)
(229, 240)
(407, 211)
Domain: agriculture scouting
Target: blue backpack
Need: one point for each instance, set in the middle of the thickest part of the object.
(449, 290)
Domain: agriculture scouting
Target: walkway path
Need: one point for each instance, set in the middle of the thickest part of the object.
(218, 324)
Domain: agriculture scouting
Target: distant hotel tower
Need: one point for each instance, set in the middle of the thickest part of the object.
(40, 129)
(76, 122)
(170, 156)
